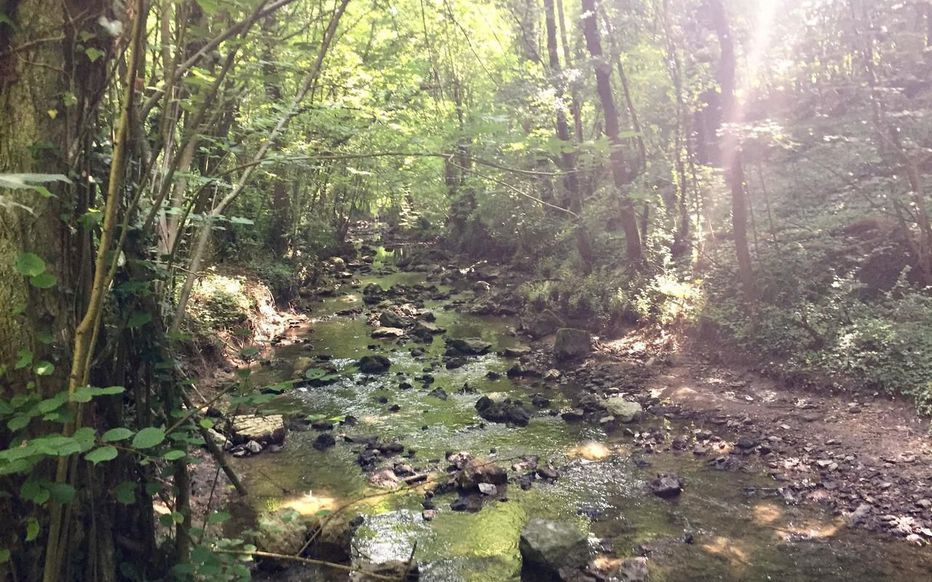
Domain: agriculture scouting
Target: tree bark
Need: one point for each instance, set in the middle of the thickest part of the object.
(730, 154)
(621, 176)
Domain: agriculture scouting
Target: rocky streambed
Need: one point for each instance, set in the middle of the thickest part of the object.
(425, 424)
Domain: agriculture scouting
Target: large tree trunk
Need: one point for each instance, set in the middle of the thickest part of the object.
(621, 176)
(41, 132)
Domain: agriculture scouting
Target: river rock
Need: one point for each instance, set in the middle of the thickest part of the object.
(506, 410)
(571, 343)
(387, 332)
(438, 393)
(281, 532)
(374, 364)
(542, 324)
(479, 471)
(666, 486)
(516, 351)
(470, 346)
(333, 536)
(547, 547)
(392, 319)
(265, 430)
(427, 328)
(372, 294)
(623, 410)
(324, 441)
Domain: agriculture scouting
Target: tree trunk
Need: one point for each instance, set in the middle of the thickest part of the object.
(620, 173)
(730, 154)
(567, 156)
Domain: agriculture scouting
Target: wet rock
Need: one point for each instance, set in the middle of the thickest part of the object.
(549, 473)
(623, 410)
(469, 503)
(429, 514)
(374, 364)
(516, 352)
(666, 486)
(552, 374)
(481, 287)
(253, 447)
(542, 324)
(372, 294)
(505, 411)
(467, 346)
(573, 415)
(547, 547)
(438, 393)
(540, 401)
(333, 535)
(633, 570)
(454, 363)
(262, 429)
(746, 443)
(571, 343)
(488, 489)
(322, 425)
(281, 532)
(324, 441)
(385, 479)
(478, 471)
(391, 319)
(388, 333)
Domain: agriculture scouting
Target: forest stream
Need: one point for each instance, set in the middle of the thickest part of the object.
(725, 525)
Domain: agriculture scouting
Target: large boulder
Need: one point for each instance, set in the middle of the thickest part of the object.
(571, 343)
(281, 532)
(549, 547)
(267, 430)
(542, 324)
(374, 364)
(623, 410)
(470, 346)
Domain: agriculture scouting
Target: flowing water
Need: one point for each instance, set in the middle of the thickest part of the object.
(737, 531)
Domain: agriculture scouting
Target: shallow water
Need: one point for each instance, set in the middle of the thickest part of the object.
(738, 532)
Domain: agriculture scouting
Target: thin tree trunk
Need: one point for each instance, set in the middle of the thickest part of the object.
(730, 154)
(620, 173)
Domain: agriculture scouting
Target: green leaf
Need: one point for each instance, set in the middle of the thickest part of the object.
(32, 529)
(93, 53)
(44, 281)
(173, 455)
(125, 492)
(116, 434)
(206, 423)
(32, 490)
(101, 455)
(18, 422)
(4, 555)
(148, 437)
(166, 520)
(23, 359)
(29, 264)
(44, 368)
(218, 517)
